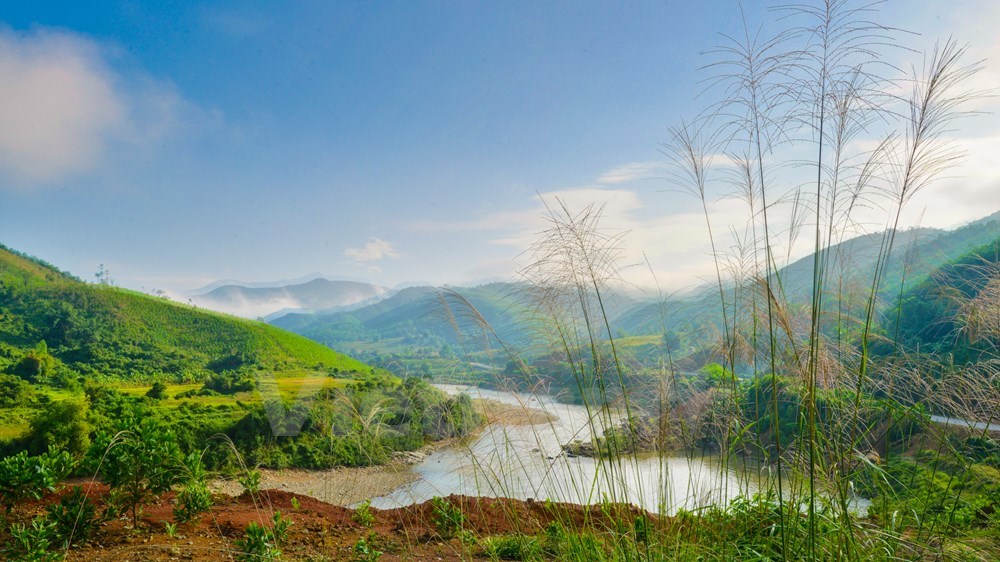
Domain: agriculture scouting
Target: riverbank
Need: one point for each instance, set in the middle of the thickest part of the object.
(502, 413)
(347, 486)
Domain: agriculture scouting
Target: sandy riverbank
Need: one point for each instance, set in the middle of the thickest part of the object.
(496, 412)
(338, 486)
(347, 486)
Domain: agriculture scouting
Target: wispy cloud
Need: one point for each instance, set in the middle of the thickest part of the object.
(631, 172)
(63, 106)
(373, 250)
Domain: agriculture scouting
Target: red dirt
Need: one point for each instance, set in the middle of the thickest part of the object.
(319, 531)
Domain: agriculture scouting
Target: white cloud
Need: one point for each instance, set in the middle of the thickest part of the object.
(375, 249)
(63, 107)
(631, 172)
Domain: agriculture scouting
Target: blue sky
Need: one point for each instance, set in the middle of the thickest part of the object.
(394, 142)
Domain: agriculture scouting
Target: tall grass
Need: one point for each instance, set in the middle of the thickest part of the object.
(817, 136)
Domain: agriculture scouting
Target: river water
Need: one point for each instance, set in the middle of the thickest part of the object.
(971, 425)
(526, 461)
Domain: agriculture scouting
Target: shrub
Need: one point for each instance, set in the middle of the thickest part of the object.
(194, 498)
(365, 552)
(141, 460)
(512, 547)
(230, 382)
(363, 514)
(250, 481)
(23, 476)
(257, 544)
(61, 426)
(31, 543)
(447, 517)
(260, 543)
(73, 519)
(158, 391)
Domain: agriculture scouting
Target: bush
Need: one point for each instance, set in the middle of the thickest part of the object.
(194, 498)
(61, 426)
(230, 382)
(447, 517)
(260, 543)
(73, 519)
(363, 514)
(512, 547)
(158, 391)
(365, 552)
(250, 481)
(23, 476)
(141, 459)
(257, 544)
(31, 543)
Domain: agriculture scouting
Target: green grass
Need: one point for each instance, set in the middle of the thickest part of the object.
(117, 335)
(12, 430)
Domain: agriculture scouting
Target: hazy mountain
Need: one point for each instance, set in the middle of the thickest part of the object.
(418, 316)
(317, 295)
(424, 315)
(916, 253)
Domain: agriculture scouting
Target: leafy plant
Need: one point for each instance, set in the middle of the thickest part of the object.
(363, 514)
(250, 481)
(257, 544)
(365, 552)
(512, 547)
(74, 518)
(262, 543)
(139, 461)
(279, 527)
(31, 543)
(194, 498)
(158, 391)
(447, 517)
(23, 476)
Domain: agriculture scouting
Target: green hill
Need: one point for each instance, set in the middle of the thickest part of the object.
(422, 316)
(916, 254)
(953, 310)
(114, 334)
(80, 362)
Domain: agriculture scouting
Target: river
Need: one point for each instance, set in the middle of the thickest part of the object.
(971, 425)
(526, 461)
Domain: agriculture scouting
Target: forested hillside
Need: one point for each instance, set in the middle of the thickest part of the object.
(112, 334)
(955, 309)
(80, 362)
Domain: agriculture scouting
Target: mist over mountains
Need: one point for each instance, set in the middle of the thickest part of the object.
(315, 296)
(345, 314)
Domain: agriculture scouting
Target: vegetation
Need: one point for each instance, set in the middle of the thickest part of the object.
(846, 403)
(263, 543)
(447, 517)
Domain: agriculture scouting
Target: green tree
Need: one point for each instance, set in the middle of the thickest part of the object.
(62, 426)
(141, 459)
(36, 365)
(158, 391)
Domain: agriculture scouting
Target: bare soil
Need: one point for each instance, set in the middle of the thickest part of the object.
(319, 531)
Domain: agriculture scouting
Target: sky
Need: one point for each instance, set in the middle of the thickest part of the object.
(181, 143)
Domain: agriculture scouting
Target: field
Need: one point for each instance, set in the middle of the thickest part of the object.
(289, 384)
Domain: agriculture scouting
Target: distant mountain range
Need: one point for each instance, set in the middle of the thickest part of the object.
(315, 296)
(417, 317)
